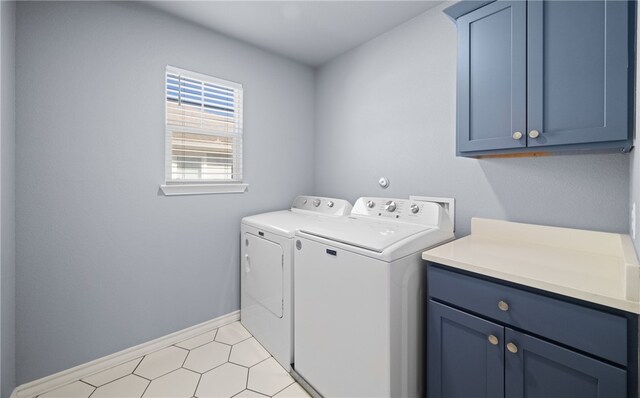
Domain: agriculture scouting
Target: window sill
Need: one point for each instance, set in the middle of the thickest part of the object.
(202, 189)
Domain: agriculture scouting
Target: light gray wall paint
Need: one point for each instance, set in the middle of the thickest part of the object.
(7, 197)
(387, 108)
(104, 261)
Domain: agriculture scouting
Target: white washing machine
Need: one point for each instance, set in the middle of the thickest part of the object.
(266, 306)
(358, 314)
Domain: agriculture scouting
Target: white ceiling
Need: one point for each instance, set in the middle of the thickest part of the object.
(311, 32)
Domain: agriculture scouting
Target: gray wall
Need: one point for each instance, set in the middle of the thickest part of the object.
(7, 198)
(387, 108)
(104, 261)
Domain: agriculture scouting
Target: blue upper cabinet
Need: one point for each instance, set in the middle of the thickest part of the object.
(543, 76)
(577, 72)
(492, 77)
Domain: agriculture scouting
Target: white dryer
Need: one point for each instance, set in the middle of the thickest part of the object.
(266, 299)
(358, 313)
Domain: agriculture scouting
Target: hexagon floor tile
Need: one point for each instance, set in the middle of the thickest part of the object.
(109, 375)
(207, 357)
(197, 341)
(268, 377)
(293, 391)
(161, 362)
(130, 386)
(180, 383)
(248, 353)
(249, 394)
(232, 333)
(224, 381)
(225, 362)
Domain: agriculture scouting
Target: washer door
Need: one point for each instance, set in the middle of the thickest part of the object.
(263, 268)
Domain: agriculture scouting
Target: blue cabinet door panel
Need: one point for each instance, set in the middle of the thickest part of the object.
(543, 370)
(491, 91)
(577, 62)
(462, 362)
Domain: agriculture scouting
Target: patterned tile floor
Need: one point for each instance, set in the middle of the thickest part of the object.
(225, 362)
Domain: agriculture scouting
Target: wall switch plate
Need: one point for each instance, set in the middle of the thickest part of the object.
(633, 220)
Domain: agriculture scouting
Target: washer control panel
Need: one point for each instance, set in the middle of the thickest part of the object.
(414, 211)
(390, 206)
(328, 206)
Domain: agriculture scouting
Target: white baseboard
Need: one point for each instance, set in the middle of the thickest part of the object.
(59, 379)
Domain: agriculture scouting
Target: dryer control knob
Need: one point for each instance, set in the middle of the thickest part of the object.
(370, 204)
(390, 206)
(316, 202)
(414, 208)
(329, 204)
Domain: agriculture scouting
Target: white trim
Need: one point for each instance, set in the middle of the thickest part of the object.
(201, 76)
(59, 379)
(197, 116)
(202, 189)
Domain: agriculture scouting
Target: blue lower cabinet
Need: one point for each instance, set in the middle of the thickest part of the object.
(476, 351)
(537, 369)
(466, 357)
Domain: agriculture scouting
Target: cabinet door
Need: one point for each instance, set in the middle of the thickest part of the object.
(491, 92)
(543, 370)
(462, 361)
(577, 64)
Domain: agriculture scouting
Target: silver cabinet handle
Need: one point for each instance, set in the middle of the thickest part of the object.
(503, 305)
(517, 135)
(493, 339)
(512, 348)
(534, 134)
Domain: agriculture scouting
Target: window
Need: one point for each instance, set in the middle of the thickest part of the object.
(203, 134)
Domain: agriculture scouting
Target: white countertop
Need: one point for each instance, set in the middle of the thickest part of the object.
(598, 267)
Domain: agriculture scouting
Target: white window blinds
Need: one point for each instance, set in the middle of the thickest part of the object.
(203, 128)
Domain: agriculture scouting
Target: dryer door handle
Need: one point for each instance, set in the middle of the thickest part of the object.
(248, 267)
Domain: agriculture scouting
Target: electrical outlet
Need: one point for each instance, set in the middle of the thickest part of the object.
(633, 220)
